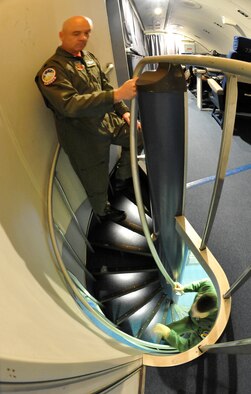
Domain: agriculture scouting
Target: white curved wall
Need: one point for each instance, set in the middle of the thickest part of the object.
(43, 333)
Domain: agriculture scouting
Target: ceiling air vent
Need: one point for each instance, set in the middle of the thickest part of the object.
(243, 13)
(190, 4)
(206, 31)
(217, 24)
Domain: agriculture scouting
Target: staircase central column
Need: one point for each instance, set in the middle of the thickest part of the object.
(161, 96)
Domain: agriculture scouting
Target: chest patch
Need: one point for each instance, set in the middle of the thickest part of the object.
(90, 63)
(79, 66)
(204, 334)
(49, 76)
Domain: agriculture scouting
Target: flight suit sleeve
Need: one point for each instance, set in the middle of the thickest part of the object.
(61, 96)
(183, 343)
(203, 286)
(120, 108)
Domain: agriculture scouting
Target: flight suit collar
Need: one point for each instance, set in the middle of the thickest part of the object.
(60, 51)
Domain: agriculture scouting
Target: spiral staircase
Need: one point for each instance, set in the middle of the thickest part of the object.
(112, 269)
(127, 281)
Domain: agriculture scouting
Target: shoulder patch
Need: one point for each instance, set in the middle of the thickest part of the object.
(49, 76)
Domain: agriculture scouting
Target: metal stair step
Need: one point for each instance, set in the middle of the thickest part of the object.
(111, 285)
(114, 236)
(122, 307)
(146, 303)
(123, 287)
(109, 260)
(151, 314)
(129, 192)
(132, 220)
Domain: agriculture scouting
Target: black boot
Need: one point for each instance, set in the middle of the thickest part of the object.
(112, 214)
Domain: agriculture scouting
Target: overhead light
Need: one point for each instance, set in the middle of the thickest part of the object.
(173, 28)
(176, 26)
(158, 11)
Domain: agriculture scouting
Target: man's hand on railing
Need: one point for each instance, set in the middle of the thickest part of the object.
(178, 288)
(162, 330)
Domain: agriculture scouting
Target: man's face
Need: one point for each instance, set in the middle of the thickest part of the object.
(75, 34)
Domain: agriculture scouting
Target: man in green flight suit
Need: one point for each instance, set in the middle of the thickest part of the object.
(89, 113)
(189, 331)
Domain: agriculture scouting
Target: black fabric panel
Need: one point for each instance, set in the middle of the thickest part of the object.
(135, 41)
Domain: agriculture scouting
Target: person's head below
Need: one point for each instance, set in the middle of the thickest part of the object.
(75, 34)
(204, 305)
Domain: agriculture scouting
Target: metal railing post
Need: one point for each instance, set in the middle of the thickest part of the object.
(227, 133)
(68, 205)
(238, 283)
(242, 346)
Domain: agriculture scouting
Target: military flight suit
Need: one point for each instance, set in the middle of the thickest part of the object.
(87, 120)
(188, 332)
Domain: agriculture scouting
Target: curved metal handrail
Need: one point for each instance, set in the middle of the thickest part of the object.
(231, 66)
(138, 343)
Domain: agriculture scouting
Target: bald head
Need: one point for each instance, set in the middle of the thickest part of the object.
(75, 34)
(75, 21)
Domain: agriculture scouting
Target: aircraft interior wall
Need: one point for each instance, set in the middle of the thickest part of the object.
(44, 335)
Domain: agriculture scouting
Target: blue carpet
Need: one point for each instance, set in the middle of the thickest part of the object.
(212, 178)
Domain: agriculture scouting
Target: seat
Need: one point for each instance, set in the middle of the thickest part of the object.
(196, 79)
(241, 51)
